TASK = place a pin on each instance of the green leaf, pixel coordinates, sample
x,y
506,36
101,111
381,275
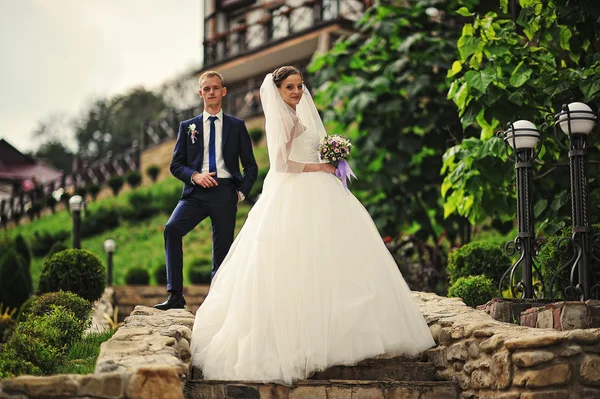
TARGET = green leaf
x,y
464,12
460,97
480,80
565,36
589,87
456,68
539,207
518,78
467,45
504,5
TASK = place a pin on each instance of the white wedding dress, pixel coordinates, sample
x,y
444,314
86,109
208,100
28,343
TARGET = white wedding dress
x,y
308,282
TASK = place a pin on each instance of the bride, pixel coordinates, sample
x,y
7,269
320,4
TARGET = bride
x,y
308,282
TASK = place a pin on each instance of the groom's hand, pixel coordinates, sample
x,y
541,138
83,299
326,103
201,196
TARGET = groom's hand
x,y
205,179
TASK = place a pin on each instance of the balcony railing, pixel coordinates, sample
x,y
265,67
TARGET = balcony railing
x,y
279,23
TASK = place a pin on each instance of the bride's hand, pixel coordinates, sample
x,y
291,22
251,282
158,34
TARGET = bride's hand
x,y
329,168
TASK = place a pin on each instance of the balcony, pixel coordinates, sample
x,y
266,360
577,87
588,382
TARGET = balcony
x,y
277,23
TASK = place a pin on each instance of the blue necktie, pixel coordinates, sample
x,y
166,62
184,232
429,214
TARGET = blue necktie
x,y
212,152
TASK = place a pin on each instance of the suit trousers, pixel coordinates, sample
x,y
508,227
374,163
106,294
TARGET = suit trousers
x,y
217,203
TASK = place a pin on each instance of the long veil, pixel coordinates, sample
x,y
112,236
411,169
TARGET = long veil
x,y
283,125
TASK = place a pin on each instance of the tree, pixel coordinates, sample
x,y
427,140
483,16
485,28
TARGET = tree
x,y
385,88
112,124
54,153
511,70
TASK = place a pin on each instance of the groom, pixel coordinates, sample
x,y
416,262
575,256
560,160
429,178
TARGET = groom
x,y
206,158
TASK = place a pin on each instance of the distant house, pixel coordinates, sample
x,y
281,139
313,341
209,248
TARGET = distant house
x,y
20,172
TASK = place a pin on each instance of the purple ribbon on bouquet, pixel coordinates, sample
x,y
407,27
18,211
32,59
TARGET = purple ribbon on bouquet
x,y
344,172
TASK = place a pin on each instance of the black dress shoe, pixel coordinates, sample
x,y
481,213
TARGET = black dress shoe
x,y
173,302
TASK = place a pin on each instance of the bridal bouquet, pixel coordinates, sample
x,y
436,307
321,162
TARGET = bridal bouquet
x,y
335,149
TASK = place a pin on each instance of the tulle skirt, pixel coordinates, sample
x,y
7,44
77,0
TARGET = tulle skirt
x,y
307,284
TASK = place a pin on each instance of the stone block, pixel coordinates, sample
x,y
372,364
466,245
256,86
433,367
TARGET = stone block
x,y
589,393
308,392
238,391
401,393
531,358
364,393
529,318
557,374
535,341
435,331
457,351
574,316
155,382
438,356
491,344
481,379
472,348
500,368
501,311
545,318
554,394
585,337
107,385
42,387
445,336
589,370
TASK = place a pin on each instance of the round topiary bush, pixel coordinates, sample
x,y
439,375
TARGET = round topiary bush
x,y
198,275
478,258
137,276
23,249
160,274
24,309
134,179
256,135
75,270
550,259
153,171
116,184
15,281
473,290
75,304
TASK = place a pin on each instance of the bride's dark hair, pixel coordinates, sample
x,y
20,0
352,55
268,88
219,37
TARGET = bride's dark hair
x,y
281,74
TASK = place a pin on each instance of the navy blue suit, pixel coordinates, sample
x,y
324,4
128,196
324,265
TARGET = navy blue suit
x,y
197,203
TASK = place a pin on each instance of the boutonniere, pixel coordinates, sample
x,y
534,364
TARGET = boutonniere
x,y
192,132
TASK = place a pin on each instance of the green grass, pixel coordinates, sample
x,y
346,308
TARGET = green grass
x,y
139,244
81,357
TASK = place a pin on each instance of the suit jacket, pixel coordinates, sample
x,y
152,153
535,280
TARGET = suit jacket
x,y
236,146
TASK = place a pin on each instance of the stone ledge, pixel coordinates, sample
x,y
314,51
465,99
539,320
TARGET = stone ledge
x,y
146,358
492,359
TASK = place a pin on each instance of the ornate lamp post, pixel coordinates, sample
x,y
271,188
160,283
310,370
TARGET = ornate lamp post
x,y
522,136
109,247
76,205
577,121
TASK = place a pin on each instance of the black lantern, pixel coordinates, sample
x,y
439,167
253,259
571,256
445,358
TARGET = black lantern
x,y
522,136
577,120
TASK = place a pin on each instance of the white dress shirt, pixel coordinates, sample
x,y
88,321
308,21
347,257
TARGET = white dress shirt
x,y
222,171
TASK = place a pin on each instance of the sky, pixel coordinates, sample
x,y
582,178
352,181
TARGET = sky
x,y
56,56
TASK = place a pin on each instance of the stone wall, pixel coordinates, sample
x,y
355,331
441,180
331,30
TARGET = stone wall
x,y
146,358
490,359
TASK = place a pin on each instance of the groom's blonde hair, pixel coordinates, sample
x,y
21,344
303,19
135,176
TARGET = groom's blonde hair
x,y
210,74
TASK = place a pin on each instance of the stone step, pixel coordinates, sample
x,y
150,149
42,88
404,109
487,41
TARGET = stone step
x,y
380,370
314,389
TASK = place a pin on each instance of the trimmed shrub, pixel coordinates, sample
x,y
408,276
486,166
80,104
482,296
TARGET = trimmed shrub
x,y
116,184
94,189
15,281
256,135
160,274
550,259
39,342
169,200
99,221
75,304
134,179
200,271
22,248
75,270
141,207
137,276
153,171
478,258
43,242
473,290
51,203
